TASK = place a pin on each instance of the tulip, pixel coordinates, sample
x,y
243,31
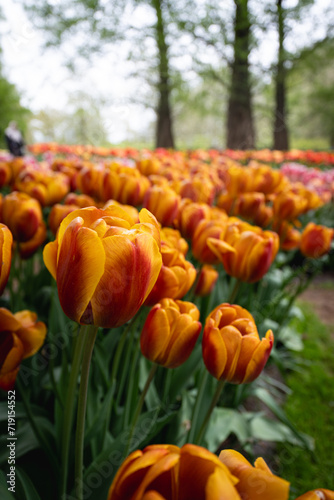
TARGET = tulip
x,y
21,336
104,265
28,248
22,214
176,277
319,494
255,483
170,332
288,235
5,173
170,472
79,200
316,240
245,251
174,239
207,279
232,349
163,203
46,186
190,214
131,211
288,205
57,214
6,240
206,231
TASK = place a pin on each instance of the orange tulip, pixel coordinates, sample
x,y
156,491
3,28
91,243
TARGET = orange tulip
x,y
206,231
255,483
28,248
22,214
80,200
288,205
316,240
57,214
6,240
176,277
104,265
131,211
46,186
232,349
173,473
20,337
5,173
170,332
245,251
190,215
174,239
319,494
164,204
207,279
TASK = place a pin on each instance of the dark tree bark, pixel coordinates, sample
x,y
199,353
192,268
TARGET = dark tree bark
x,y
240,126
281,139
164,126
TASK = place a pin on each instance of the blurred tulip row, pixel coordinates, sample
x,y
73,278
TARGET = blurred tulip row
x,y
142,295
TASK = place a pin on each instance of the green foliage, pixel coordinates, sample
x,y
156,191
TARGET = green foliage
x,y
11,108
310,407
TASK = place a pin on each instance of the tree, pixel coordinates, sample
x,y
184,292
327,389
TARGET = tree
x,y
11,108
240,126
93,27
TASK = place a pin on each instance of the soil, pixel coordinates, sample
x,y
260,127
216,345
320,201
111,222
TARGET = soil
x,y
320,295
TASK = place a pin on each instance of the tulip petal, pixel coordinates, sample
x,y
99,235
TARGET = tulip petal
x,y
214,352
155,334
220,487
132,266
8,321
50,257
259,358
12,352
80,267
31,334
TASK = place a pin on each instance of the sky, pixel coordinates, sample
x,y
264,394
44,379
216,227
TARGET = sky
x,y
44,81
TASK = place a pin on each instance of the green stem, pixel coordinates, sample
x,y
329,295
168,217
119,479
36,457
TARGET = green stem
x,y
140,405
214,401
82,403
39,435
69,409
198,405
234,292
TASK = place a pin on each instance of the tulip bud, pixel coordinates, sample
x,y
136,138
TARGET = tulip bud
x,y
316,240
163,203
6,240
231,346
22,214
170,332
21,337
206,281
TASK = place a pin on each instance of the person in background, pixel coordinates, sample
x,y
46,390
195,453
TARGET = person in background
x,y
14,139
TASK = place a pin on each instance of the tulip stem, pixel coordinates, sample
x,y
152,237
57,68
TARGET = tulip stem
x,y
140,405
198,404
234,292
214,401
82,403
69,408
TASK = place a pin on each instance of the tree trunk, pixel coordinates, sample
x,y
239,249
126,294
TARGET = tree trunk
x,y
281,140
164,126
240,126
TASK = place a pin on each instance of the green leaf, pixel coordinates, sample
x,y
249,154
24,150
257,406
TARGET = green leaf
x,y
20,411
25,488
26,441
266,429
152,399
269,401
291,339
223,422
181,376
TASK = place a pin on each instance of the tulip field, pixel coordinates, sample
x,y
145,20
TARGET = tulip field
x,y
146,306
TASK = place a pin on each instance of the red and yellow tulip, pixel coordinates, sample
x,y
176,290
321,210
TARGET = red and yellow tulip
x,y
21,336
6,241
170,332
104,265
316,240
231,346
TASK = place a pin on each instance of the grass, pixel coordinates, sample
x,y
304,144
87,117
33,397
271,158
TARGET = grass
x,y
311,408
